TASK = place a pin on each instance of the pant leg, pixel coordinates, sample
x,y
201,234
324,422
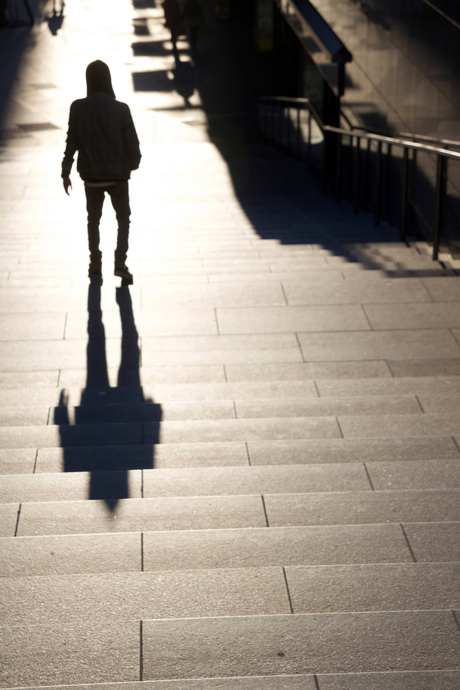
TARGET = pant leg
x,y
119,195
94,204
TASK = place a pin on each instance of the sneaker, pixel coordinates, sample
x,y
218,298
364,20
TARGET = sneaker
x,y
123,273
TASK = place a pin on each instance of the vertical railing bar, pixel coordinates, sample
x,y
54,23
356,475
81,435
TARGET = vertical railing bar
x,y
441,175
309,136
405,175
298,130
356,173
368,175
388,184
325,162
338,196
413,182
280,124
378,186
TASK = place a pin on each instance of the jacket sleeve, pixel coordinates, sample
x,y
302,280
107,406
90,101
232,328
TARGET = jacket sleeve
x,y
71,144
131,141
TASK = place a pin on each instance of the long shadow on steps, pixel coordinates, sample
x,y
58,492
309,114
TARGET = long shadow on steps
x,y
108,471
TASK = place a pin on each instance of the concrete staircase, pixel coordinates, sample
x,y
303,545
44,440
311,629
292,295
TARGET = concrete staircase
x,y
242,472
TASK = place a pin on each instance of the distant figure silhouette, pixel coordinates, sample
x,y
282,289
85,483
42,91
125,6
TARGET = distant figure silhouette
x,y
174,21
193,15
101,129
57,18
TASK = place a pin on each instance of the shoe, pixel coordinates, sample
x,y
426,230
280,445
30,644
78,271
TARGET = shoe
x,y
124,273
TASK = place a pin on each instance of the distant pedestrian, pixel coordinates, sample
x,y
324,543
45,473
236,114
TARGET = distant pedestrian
x,y
173,21
193,15
101,129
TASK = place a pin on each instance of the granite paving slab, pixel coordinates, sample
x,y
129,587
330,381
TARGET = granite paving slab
x,y
53,654
184,373
445,400
239,430
71,435
420,315
376,587
318,643
17,461
136,515
426,387
23,416
353,450
212,481
439,541
356,345
216,295
322,407
282,546
148,411
292,319
393,291
308,370
362,508
391,680
9,514
93,553
32,326
112,458
297,682
443,289
435,474
237,356
400,425
76,599
69,486
417,366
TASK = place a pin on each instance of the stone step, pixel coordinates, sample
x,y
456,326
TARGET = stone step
x,y
324,545
78,482
229,548
79,598
429,389
392,451
284,644
148,411
111,510
387,680
228,430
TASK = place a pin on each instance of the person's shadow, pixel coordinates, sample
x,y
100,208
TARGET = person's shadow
x,y
56,20
105,438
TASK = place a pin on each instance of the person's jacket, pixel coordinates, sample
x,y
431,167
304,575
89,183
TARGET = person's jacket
x,y
101,129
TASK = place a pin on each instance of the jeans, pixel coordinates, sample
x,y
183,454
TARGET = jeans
x,y
119,196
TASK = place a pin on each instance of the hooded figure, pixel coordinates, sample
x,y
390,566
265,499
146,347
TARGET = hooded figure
x,y
101,129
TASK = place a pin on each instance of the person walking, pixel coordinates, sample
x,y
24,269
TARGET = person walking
x,y
101,129
174,22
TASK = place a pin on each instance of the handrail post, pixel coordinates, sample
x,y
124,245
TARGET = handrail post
x,y
405,175
309,136
357,171
388,184
441,184
338,195
378,185
298,131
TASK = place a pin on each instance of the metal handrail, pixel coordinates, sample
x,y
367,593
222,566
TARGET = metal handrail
x,y
443,156
395,141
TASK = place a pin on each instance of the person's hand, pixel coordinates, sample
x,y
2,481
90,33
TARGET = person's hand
x,y
67,184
